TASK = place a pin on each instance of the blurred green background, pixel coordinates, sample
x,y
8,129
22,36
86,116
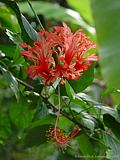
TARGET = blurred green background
x,y
25,114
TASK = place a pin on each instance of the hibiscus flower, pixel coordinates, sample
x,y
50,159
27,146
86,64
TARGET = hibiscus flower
x,y
59,54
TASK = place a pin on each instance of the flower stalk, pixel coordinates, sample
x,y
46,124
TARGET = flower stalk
x,y
75,131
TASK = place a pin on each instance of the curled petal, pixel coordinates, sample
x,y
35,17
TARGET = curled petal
x,y
25,45
92,57
28,54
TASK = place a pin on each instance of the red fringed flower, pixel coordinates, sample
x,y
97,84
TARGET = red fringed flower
x,y
59,54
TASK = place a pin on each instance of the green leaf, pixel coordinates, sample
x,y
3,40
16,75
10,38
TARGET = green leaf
x,y
36,136
56,83
69,90
8,19
29,29
28,33
114,152
111,123
84,81
15,37
9,50
88,121
15,8
68,125
77,104
44,121
13,51
83,7
11,81
110,90
108,110
42,110
86,98
86,147
20,114
106,14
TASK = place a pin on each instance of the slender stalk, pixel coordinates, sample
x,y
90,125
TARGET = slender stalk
x,y
75,131
35,14
57,119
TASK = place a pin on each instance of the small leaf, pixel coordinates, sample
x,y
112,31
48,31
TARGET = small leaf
x,y
86,147
15,37
55,84
86,98
11,81
9,50
87,120
29,29
111,123
108,110
114,152
69,90
110,90
78,102
42,110
84,81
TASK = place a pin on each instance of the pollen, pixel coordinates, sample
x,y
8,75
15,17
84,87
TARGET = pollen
x,y
61,135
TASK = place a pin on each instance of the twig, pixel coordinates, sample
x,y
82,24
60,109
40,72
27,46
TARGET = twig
x,y
25,84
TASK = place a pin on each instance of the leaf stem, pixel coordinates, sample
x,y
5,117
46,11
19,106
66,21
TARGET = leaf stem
x,y
35,14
